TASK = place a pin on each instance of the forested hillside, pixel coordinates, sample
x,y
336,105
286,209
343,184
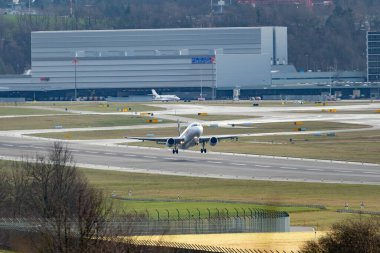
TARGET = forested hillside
x,y
320,38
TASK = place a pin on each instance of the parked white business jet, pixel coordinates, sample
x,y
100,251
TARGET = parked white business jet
x,y
164,98
192,136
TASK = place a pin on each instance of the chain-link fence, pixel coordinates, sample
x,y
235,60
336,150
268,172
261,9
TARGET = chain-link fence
x,y
255,220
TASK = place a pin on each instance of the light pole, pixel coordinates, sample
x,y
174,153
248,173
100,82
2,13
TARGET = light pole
x,y
330,81
75,61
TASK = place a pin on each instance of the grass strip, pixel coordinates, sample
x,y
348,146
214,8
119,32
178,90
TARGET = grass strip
x,y
71,121
256,128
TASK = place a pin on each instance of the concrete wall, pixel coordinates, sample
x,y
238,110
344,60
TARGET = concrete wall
x,y
137,58
281,78
274,41
243,71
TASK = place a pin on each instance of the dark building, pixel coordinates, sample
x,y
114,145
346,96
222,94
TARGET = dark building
x,y
373,56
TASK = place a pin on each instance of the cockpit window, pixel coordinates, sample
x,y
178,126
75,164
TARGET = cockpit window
x,y
195,124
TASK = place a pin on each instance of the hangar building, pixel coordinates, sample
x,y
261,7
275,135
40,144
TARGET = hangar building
x,y
158,58
183,61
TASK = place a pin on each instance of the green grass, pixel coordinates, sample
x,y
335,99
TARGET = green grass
x,y
70,121
257,128
216,117
363,146
103,107
162,187
197,209
5,111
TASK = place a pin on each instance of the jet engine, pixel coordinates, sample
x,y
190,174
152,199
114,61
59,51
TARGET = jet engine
x,y
213,141
170,142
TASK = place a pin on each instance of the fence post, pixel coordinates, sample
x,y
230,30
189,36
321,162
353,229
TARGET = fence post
x,y
158,215
237,212
227,213
188,220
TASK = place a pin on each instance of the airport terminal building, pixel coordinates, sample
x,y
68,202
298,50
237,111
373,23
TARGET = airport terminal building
x,y
184,61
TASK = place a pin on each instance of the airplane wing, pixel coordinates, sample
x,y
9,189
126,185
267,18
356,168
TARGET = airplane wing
x,y
158,140
206,139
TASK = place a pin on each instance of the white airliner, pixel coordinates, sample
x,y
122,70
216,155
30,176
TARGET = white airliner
x,y
192,136
164,98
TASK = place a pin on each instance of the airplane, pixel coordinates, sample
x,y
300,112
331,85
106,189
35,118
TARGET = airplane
x,y
191,136
164,98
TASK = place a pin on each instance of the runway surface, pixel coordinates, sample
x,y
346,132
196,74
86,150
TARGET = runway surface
x,y
189,163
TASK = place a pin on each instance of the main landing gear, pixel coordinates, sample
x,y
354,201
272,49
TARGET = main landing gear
x,y
203,149
175,150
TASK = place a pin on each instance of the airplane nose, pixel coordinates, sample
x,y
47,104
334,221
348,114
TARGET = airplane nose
x,y
200,130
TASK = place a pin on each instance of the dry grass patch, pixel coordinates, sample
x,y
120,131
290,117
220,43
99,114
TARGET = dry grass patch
x,y
260,241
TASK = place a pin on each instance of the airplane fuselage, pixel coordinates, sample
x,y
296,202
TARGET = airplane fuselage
x,y
191,136
166,99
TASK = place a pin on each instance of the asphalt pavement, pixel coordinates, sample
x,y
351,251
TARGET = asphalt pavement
x,y
191,163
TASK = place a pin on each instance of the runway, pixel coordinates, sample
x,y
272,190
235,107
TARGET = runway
x,y
189,163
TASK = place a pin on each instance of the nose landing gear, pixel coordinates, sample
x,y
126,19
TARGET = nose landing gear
x,y
203,149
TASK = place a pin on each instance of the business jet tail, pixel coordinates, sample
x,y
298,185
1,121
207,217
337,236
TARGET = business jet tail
x,y
154,93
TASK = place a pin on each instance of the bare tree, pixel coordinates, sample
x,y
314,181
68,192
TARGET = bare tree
x,y
52,189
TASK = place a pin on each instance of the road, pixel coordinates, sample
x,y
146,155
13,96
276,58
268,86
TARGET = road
x,y
189,163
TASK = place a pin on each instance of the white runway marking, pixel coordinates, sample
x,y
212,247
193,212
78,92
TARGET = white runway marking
x,y
152,157
262,166
289,168
239,164
344,171
370,172
37,147
314,170
108,153
8,145
169,158
214,162
92,152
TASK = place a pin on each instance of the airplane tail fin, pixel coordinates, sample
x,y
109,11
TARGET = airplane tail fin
x,y
154,93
